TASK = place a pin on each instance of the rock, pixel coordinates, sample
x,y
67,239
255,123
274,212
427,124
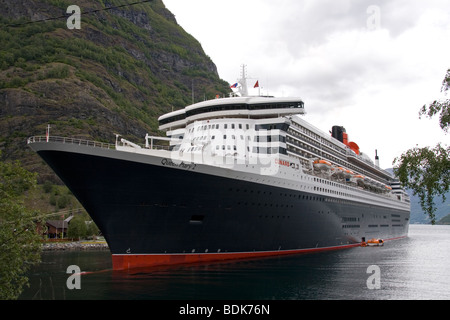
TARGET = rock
x,y
75,245
117,74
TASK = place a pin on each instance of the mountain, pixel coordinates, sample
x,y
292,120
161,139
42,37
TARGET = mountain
x,y
417,214
445,220
125,67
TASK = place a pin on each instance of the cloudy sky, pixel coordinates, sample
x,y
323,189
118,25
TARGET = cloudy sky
x,y
369,65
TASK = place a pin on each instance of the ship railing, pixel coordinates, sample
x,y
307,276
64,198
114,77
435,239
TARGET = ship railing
x,y
159,147
81,142
89,143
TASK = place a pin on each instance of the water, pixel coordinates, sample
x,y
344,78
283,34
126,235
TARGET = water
x,y
417,268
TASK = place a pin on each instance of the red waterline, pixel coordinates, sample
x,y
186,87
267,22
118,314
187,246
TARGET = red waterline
x,y
130,261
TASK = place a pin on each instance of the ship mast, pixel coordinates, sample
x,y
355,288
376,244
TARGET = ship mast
x,y
242,82
244,89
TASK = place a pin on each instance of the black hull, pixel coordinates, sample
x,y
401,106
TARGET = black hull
x,y
151,209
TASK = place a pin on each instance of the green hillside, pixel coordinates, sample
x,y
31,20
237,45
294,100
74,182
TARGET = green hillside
x,y
117,74
445,220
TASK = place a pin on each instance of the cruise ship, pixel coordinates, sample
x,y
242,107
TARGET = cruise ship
x,y
236,177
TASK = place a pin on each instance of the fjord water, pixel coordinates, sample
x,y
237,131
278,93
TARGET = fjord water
x,y
417,267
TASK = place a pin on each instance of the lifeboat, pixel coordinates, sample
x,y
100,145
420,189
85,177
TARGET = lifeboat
x,y
379,186
370,184
359,180
348,173
338,171
322,165
375,242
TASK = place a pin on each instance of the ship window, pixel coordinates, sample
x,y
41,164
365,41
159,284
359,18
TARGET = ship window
x,y
225,126
240,125
232,126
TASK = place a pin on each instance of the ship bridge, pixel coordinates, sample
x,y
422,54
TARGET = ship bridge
x,y
236,107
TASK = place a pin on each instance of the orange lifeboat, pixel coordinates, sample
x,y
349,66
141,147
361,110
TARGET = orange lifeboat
x,y
338,171
359,180
322,165
348,173
375,242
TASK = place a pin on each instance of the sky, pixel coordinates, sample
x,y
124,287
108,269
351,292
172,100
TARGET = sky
x,y
367,65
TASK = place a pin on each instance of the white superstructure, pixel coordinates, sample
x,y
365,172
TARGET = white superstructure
x,y
269,132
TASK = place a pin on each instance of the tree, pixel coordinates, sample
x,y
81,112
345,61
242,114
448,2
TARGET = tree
x,y
426,171
92,230
20,241
77,227
440,107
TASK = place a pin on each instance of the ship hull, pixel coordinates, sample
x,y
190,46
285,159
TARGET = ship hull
x,y
152,213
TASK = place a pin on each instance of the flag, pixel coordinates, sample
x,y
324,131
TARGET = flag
x,y
234,85
256,84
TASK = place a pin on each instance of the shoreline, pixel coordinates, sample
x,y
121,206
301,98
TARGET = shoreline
x,y
75,245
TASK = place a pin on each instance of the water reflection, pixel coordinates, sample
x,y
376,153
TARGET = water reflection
x,y
411,268
274,278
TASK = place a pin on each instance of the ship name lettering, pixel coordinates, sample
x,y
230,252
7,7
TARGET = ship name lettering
x,y
181,165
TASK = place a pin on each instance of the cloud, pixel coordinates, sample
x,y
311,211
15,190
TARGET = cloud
x,y
329,53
